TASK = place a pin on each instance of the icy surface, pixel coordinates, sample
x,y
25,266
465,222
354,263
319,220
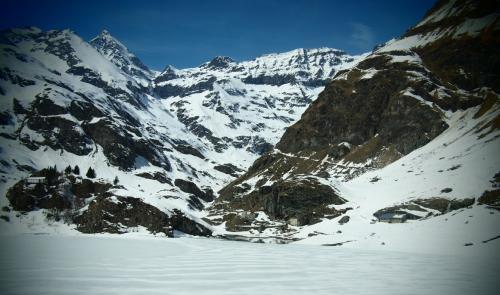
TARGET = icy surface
x,y
42,264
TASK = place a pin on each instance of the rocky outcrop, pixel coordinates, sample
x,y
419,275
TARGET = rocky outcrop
x,y
304,200
121,149
187,149
357,110
115,214
229,169
158,176
189,187
50,189
421,208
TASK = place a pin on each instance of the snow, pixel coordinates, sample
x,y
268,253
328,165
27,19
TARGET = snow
x,y
469,27
447,10
473,26
423,174
277,107
136,264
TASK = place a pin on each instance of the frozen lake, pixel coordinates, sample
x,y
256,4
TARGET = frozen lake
x,y
43,264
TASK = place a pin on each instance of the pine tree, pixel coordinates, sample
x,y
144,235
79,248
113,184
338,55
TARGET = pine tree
x,y
76,170
52,175
67,171
90,173
115,182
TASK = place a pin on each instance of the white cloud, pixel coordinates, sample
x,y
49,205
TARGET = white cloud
x,y
362,36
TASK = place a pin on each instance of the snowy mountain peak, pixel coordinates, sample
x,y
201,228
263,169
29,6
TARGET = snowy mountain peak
x,y
220,62
105,33
119,55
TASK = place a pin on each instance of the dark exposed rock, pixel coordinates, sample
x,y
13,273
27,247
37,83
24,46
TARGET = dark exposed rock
x,y
52,194
167,74
271,80
18,107
121,150
195,203
58,133
46,107
491,198
397,214
189,150
114,214
168,90
444,205
182,223
229,169
6,119
121,57
476,56
191,188
344,219
158,176
84,110
237,222
335,117
8,75
305,200
87,188
220,62
423,205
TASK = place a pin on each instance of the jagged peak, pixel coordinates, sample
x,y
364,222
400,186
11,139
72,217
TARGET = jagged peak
x,y
220,62
169,68
104,38
115,51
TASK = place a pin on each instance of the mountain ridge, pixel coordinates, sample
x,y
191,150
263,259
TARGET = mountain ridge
x,y
69,102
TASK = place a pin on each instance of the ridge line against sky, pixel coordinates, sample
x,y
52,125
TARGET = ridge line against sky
x,y
189,33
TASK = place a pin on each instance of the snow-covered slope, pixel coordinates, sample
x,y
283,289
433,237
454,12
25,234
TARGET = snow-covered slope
x,y
66,102
409,134
461,162
244,107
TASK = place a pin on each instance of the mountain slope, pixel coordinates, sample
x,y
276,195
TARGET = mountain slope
x,y
67,102
427,118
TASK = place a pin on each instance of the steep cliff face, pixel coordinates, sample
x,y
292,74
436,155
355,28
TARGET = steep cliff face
x,y
403,96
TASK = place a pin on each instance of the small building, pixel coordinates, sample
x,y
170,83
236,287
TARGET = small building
x,y
294,221
36,180
390,217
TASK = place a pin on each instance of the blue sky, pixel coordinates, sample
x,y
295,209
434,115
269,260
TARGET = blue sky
x,y
188,33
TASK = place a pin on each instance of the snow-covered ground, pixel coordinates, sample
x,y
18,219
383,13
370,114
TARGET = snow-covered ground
x,y
137,264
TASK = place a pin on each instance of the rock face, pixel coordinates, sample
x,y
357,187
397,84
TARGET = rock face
x,y
377,112
300,201
115,214
421,208
189,187
66,194
51,191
